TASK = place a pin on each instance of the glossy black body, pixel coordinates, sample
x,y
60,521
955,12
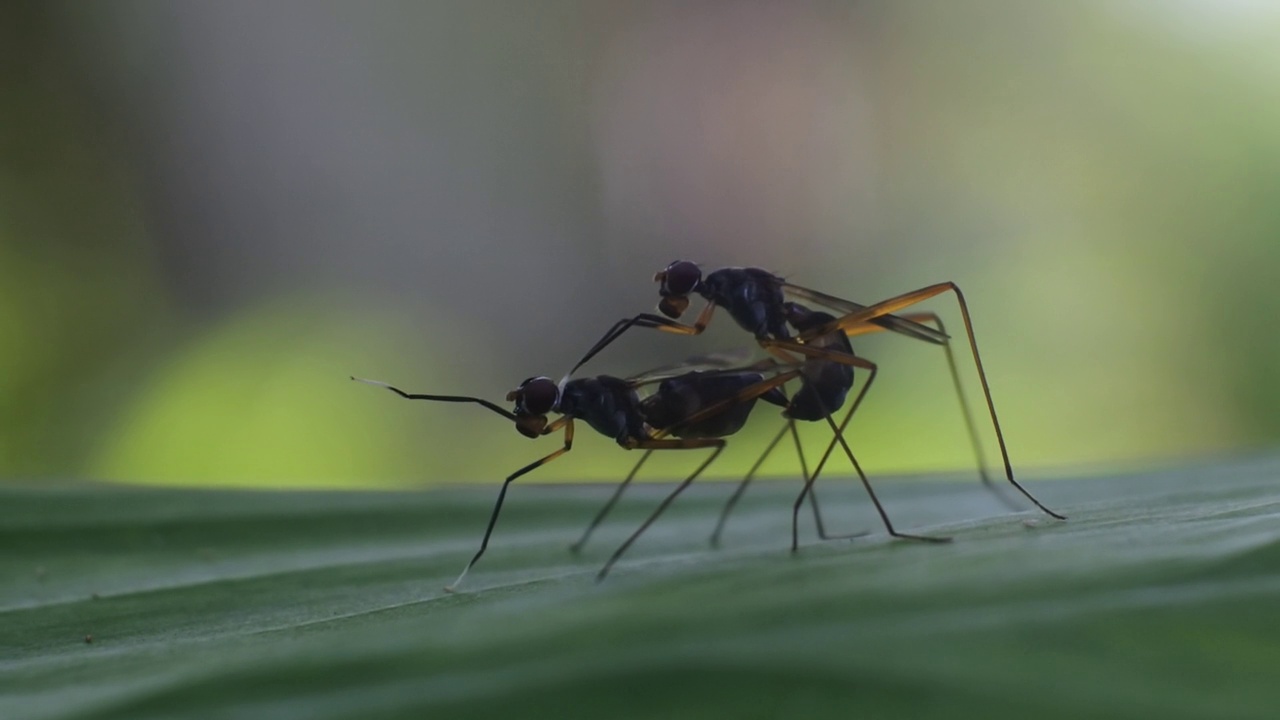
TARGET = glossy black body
x,y
613,408
753,297
681,397
608,404
825,384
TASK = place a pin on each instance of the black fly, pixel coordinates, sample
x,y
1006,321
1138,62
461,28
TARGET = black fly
x,y
688,410
758,302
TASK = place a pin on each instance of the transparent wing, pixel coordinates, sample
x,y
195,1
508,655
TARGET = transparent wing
x,y
888,322
727,362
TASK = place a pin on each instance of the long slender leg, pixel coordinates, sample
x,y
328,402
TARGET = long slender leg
x,y
835,356
648,320
979,456
497,506
660,441
872,494
804,477
970,426
884,517
742,486
620,327
872,369
689,444
908,299
813,496
748,393
608,506
901,324
780,349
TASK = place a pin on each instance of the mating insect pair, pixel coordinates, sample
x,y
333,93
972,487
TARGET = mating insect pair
x,y
698,408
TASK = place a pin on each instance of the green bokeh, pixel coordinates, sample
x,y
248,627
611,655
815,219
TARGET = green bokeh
x,y
264,400
1101,179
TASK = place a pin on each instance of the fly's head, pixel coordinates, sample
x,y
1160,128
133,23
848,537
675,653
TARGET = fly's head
x,y
535,397
676,282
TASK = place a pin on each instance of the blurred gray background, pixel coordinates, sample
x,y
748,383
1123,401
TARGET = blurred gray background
x,y
212,213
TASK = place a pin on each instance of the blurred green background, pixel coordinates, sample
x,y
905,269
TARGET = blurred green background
x,y
212,213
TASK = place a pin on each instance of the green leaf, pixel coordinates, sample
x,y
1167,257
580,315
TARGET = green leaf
x,y
1156,599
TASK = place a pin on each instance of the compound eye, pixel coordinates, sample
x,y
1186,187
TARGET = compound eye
x,y
673,306
680,278
536,396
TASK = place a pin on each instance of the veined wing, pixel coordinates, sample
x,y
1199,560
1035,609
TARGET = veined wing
x,y
888,322
729,362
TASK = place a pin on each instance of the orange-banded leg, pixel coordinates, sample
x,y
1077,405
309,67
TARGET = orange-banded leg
x,y
900,324
648,320
894,304
567,423
970,426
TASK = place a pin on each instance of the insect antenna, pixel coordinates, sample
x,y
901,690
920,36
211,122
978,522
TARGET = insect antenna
x,y
439,398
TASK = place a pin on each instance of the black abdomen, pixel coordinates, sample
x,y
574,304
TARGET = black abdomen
x,y
679,398
825,383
